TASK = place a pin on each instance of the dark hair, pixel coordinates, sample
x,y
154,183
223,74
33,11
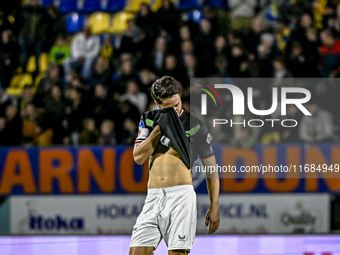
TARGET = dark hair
x,y
164,88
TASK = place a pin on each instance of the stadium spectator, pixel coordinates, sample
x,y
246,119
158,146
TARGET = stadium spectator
x,y
132,38
45,85
219,134
5,101
60,51
204,47
55,26
187,48
130,132
282,34
2,131
291,135
220,46
77,82
146,20
147,78
329,54
253,37
157,57
297,63
108,51
34,128
220,66
299,33
107,135
267,51
55,113
280,70
318,127
184,33
76,112
89,135
127,110
102,106
13,127
4,23
334,23
310,51
101,72
33,32
27,98
9,52
85,47
243,137
139,99
237,58
168,20
125,74
171,68
191,70
242,13
325,93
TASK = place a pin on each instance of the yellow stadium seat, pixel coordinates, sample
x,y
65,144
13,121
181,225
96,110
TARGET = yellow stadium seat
x,y
15,81
26,79
38,79
156,4
44,60
134,5
99,22
119,22
31,65
17,84
14,91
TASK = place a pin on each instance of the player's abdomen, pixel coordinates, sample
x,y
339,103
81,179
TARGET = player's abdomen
x,y
168,170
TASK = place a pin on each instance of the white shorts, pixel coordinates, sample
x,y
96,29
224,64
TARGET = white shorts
x,y
168,213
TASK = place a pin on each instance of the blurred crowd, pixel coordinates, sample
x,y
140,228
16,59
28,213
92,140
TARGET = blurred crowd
x,y
96,86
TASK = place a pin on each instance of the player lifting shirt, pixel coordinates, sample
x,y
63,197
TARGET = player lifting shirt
x,y
170,210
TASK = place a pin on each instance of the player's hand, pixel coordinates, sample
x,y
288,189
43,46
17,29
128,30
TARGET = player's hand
x,y
212,218
157,128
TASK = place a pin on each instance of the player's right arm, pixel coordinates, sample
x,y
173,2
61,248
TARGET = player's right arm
x,y
142,151
146,141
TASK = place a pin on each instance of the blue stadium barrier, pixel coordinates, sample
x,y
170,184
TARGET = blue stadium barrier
x,y
66,6
187,4
88,6
112,5
74,22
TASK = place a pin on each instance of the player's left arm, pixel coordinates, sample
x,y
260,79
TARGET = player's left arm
x,y
212,217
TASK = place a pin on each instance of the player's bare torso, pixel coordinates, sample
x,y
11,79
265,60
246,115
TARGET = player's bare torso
x,y
167,169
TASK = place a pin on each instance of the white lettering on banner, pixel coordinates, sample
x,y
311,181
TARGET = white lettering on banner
x,y
116,214
238,100
255,122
